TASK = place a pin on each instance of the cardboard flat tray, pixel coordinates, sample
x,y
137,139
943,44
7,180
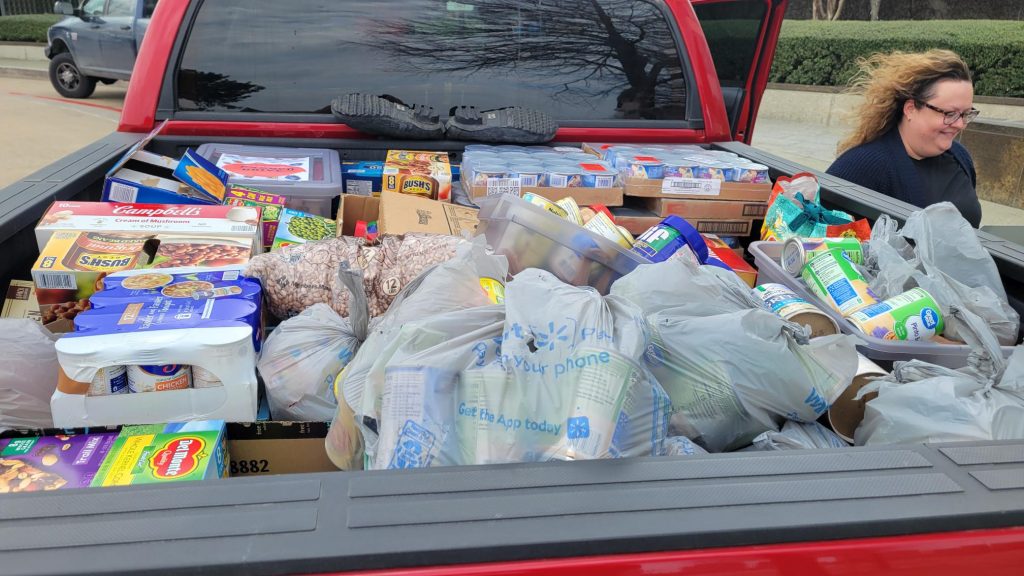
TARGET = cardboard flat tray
x,y
644,188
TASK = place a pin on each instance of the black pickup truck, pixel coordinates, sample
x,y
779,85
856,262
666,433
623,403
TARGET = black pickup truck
x,y
680,71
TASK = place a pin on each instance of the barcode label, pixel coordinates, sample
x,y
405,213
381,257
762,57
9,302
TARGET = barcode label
x,y
724,228
122,193
693,186
755,209
512,186
55,281
242,228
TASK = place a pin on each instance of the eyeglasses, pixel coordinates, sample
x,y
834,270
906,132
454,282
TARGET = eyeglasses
x,y
951,116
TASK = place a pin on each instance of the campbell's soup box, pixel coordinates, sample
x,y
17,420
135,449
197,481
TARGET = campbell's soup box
x,y
238,223
43,463
151,454
72,265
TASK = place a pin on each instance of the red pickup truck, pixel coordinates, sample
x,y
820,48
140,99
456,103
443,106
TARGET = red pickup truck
x,y
607,71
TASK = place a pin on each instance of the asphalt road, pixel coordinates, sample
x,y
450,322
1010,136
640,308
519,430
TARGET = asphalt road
x,y
38,126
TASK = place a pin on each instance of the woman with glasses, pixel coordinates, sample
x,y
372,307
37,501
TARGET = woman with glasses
x,y
904,144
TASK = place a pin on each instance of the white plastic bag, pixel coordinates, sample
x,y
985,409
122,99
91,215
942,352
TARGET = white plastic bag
x,y
733,376
684,285
799,436
682,446
28,374
305,353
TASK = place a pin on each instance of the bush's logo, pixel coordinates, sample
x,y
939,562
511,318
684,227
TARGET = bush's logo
x,y
179,457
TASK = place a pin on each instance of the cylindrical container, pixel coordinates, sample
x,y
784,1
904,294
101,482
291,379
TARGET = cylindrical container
x,y
679,169
597,176
646,167
572,210
661,241
529,174
494,290
546,204
785,303
627,235
754,173
845,414
602,225
709,171
797,252
109,380
834,279
159,378
563,177
913,315
483,173
203,378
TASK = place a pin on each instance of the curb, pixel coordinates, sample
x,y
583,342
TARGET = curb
x,y
34,73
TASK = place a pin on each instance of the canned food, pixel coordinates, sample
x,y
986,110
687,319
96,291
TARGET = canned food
x,y
109,380
797,252
159,378
786,304
834,279
484,173
494,289
203,378
646,167
846,413
753,173
602,225
597,176
679,169
528,175
709,171
563,178
572,210
542,202
662,240
913,315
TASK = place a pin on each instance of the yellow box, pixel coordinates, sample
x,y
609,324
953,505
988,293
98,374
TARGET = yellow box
x,y
419,173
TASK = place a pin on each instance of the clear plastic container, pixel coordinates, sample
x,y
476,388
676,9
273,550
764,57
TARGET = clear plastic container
x,y
766,259
309,177
531,237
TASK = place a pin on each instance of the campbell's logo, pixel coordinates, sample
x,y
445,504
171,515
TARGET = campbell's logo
x,y
263,170
177,458
130,210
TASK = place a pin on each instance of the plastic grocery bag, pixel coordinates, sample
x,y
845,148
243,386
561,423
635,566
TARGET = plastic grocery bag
x,y
795,211
304,354
569,357
28,374
921,402
682,446
689,288
733,376
799,436
448,287
938,251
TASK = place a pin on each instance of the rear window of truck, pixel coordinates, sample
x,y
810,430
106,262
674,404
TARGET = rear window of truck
x,y
578,60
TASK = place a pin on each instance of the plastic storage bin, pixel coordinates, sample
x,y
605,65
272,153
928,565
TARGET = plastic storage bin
x,y
531,237
310,178
766,258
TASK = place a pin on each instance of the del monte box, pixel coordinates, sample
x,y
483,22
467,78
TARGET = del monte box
x,y
149,454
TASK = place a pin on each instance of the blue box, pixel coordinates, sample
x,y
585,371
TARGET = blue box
x,y
362,178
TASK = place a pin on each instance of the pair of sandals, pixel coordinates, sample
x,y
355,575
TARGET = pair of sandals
x,y
388,116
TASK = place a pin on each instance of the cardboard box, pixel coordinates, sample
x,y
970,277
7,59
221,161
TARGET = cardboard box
x,y
312,227
270,206
363,178
401,213
239,222
151,454
144,177
419,173
638,223
582,196
43,463
726,255
21,301
265,448
693,189
707,209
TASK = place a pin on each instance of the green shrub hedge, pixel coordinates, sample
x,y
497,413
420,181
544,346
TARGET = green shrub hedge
x,y
30,28
825,53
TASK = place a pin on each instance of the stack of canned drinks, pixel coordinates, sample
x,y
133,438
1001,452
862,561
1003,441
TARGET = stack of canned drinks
x,y
655,162
536,166
136,379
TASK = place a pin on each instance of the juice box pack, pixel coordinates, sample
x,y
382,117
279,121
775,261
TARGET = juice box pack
x,y
151,454
42,463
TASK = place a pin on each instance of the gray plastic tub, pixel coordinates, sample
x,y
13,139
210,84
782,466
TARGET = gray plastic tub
x,y
766,259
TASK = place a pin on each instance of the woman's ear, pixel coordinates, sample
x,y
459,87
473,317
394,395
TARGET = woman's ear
x,y
909,109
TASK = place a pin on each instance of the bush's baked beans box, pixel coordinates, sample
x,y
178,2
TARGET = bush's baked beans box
x,y
419,173
239,223
151,454
43,463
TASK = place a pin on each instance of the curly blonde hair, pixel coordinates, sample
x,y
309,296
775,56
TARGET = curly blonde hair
x,y
887,81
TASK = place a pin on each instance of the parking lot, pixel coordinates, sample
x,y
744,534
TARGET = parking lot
x,y
39,126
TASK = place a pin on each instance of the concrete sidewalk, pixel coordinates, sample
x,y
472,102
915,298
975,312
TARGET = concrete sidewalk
x,y
16,68
814,145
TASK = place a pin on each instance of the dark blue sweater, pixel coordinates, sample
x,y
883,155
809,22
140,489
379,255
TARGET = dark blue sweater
x,y
884,166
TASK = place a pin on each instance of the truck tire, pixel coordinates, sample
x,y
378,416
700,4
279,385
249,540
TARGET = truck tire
x,y
107,81
67,79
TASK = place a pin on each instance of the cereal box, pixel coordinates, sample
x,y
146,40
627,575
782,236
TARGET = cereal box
x,y
41,463
150,454
419,173
299,227
71,265
269,204
237,222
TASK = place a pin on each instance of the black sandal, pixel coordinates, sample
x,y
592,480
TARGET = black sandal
x,y
387,116
511,125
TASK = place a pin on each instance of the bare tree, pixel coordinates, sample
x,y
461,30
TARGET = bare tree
x,y
876,7
827,9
